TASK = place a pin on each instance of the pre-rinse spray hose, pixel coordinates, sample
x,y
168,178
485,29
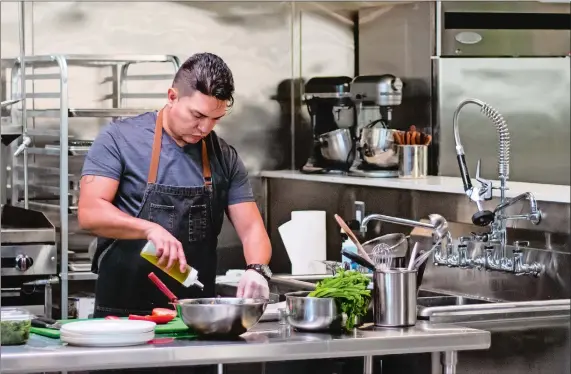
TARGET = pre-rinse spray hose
x,y
503,139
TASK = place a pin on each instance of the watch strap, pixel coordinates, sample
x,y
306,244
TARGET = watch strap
x,y
259,268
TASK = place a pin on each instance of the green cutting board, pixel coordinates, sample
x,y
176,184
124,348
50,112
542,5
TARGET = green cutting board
x,y
173,328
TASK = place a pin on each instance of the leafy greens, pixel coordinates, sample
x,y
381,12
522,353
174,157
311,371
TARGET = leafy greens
x,y
14,332
349,289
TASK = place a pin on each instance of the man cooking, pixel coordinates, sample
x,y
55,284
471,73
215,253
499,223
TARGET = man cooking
x,y
168,178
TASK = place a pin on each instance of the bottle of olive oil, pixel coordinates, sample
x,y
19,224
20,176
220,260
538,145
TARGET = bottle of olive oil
x,y
187,278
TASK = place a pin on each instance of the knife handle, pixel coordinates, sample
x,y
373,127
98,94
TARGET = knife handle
x,y
41,323
47,320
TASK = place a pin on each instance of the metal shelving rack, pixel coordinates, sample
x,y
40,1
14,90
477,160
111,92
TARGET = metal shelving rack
x,y
19,114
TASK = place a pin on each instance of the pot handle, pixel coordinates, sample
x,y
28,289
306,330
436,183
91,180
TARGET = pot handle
x,y
322,141
282,316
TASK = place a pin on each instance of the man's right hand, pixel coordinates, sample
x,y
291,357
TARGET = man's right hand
x,y
168,248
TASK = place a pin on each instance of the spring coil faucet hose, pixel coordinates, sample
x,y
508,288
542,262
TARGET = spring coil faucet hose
x,y
503,139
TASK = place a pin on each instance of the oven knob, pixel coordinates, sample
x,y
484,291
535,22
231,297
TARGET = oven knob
x,y
23,262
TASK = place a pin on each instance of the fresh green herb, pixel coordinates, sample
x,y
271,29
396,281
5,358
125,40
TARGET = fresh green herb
x,y
14,332
349,289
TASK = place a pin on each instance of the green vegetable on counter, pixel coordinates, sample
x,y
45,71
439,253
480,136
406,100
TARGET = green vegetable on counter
x,y
349,289
14,332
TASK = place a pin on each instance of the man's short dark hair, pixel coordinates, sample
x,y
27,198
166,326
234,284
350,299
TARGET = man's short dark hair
x,y
206,73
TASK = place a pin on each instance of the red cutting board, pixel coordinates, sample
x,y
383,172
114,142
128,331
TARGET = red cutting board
x,y
174,327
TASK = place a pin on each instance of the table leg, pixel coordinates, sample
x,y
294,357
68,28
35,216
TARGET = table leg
x,y
48,300
448,360
368,365
220,369
435,361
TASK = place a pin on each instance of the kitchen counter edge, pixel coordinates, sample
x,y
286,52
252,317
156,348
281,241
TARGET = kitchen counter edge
x,y
542,192
266,342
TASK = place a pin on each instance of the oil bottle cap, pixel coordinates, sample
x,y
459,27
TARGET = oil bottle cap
x,y
197,283
192,278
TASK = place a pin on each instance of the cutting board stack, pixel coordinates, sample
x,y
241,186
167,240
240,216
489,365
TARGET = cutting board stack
x,y
107,333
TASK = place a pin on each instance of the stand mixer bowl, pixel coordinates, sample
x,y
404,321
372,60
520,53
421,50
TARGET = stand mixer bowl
x,y
377,148
337,146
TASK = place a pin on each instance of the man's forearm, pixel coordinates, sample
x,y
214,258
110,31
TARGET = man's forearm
x,y
257,247
104,219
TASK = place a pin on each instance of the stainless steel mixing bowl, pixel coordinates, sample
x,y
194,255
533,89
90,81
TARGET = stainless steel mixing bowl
x,y
377,148
312,313
221,316
337,146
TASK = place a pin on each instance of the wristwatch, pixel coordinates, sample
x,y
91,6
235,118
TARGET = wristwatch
x,y
263,270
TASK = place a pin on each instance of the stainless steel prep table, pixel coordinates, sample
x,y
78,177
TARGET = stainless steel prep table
x,y
266,342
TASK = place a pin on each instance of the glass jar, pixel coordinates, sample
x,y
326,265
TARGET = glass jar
x,y
15,326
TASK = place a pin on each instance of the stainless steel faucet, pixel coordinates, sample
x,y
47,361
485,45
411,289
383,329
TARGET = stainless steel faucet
x,y
534,215
495,256
441,227
437,224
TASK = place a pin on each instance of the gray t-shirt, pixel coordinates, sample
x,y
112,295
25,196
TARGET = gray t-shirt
x,y
122,151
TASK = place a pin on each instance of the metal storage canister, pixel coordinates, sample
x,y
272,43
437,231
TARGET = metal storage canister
x,y
394,297
413,161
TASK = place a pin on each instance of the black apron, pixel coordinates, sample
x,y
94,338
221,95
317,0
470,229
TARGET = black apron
x,y
193,215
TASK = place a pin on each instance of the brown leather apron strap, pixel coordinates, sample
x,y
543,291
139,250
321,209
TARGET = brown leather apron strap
x,y
156,154
206,172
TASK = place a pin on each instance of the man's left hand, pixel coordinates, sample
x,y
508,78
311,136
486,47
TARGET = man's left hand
x,y
253,286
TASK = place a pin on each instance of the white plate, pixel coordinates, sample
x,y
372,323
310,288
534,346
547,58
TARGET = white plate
x,y
108,341
107,337
112,327
104,335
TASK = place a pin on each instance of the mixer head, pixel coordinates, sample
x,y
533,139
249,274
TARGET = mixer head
x,y
328,101
378,90
334,90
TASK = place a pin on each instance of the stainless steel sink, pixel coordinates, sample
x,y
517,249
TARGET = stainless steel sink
x,y
468,310
449,301
492,314
427,293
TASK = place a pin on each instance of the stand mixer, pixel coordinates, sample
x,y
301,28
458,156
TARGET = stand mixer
x,y
331,109
374,97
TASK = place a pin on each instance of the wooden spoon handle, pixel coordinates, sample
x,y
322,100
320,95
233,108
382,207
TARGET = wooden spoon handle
x,y
428,140
353,238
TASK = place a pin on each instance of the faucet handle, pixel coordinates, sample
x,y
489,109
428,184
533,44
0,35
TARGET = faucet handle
x,y
464,239
519,244
479,237
485,190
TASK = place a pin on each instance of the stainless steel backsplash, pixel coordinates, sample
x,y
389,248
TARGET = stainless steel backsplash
x,y
549,241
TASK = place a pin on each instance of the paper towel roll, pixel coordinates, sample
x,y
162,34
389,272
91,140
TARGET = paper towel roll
x,y
305,240
287,232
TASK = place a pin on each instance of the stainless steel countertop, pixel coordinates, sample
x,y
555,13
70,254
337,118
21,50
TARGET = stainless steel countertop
x,y
265,342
